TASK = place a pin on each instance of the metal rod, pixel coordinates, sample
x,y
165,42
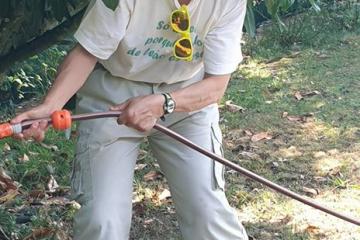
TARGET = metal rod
x,y
85,116
249,174
253,176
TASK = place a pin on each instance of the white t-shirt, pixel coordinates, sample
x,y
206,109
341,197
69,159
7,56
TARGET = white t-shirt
x,y
135,41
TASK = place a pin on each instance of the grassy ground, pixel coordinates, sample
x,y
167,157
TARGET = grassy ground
x,y
299,128
315,146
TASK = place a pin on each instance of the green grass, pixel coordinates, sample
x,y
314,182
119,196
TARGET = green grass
x,y
42,161
326,146
53,159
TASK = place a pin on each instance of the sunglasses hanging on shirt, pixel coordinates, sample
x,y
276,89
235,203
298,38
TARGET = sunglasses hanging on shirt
x,y
180,23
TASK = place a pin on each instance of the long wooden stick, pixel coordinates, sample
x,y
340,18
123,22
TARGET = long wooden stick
x,y
245,172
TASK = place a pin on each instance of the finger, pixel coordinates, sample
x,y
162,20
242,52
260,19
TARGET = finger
x,y
39,132
119,107
119,121
27,134
19,118
148,124
127,119
18,136
40,136
32,131
116,108
43,125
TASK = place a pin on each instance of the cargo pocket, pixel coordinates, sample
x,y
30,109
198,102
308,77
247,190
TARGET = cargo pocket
x,y
81,171
218,168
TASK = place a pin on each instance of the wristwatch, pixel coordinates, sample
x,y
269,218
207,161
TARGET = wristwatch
x,y
169,104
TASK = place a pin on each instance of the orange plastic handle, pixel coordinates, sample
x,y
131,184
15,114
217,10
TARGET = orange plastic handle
x,y
61,120
5,130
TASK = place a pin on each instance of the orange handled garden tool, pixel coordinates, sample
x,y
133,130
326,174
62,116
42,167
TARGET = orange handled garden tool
x,y
61,120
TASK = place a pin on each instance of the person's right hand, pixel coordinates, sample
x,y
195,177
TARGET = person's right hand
x,y
37,129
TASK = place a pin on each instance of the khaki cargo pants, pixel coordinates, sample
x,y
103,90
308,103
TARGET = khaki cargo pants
x,y
106,154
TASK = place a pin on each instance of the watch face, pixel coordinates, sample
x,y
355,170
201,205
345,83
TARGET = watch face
x,y
170,106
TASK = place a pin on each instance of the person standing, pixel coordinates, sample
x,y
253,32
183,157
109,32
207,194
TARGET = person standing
x,y
151,60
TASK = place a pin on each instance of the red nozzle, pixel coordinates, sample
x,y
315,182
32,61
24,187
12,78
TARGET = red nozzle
x,y
61,120
5,130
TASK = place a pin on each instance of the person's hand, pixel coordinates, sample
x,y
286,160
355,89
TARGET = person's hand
x,y
141,112
37,129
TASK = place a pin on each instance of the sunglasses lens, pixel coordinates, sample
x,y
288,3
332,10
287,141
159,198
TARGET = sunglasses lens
x,y
183,48
180,21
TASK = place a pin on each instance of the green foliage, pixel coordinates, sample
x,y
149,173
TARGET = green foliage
x,y
309,28
6,7
58,9
7,223
249,22
31,78
112,4
23,20
344,15
8,227
275,8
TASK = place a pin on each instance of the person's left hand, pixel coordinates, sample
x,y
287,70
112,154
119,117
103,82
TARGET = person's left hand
x,y
141,112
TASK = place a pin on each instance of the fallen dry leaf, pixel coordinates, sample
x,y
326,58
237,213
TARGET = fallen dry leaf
x,y
140,166
6,147
61,234
320,179
275,164
50,147
9,195
7,181
57,201
303,118
301,95
312,229
37,193
312,93
285,114
24,158
294,118
33,153
311,191
261,136
52,184
40,233
73,204
286,220
298,96
164,194
152,175
3,185
248,132
323,56
233,107
148,221
249,155
142,155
